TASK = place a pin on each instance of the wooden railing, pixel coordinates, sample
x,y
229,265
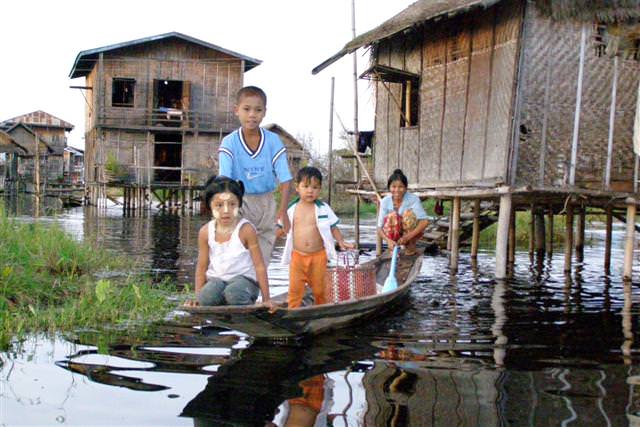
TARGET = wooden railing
x,y
166,117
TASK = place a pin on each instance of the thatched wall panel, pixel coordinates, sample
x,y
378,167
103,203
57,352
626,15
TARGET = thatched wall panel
x,y
478,97
623,158
409,159
431,103
413,54
381,146
457,70
502,93
396,55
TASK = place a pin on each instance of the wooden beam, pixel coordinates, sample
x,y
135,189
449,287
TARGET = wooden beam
x,y
455,236
612,122
475,236
607,240
568,243
576,118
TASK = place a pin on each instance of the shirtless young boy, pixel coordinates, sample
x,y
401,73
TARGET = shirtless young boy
x,y
311,240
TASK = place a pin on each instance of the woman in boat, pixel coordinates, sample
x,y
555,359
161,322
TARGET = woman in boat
x,y
401,218
230,268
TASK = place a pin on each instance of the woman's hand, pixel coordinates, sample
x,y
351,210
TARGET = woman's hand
x,y
346,245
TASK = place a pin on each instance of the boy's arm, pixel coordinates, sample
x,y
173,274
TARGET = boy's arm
x,y
249,238
281,215
337,235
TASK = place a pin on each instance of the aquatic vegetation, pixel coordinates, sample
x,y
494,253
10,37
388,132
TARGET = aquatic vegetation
x,y
49,283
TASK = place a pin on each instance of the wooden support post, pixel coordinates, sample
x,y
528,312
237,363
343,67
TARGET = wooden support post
x,y
532,231
607,239
512,238
182,200
539,232
630,239
580,235
455,235
504,216
568,243
449,227
475,236
549,241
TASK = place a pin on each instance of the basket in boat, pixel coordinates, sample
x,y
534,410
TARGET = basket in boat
x,y
348,280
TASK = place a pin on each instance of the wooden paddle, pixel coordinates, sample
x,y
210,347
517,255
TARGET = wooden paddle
x,y
391,283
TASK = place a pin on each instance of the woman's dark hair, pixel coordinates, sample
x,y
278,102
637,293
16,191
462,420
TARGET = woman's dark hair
x,y
397,175
222,184
308,173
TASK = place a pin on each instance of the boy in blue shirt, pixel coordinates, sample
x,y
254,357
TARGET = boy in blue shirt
x,y
258,158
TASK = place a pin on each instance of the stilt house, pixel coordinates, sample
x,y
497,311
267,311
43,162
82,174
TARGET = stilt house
x,y
534,99
157,109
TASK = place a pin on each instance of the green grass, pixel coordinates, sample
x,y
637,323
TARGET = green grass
x,y
523,224
48,284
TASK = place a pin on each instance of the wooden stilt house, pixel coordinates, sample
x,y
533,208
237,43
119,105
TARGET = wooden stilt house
x,y
156,111
529,101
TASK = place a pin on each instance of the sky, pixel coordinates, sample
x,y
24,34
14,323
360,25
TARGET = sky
x,y
41,39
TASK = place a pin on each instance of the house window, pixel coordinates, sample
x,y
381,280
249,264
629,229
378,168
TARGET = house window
x,y
122,92
410,103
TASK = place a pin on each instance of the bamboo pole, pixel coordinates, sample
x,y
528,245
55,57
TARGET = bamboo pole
x,y
532,231
629,241
475,236
612,122
455,236
607,240
576,118
333,85
356,130
539,227
568,244
504,216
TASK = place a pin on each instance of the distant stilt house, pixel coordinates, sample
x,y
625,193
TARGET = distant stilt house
x,y
296,153
74,165
51,134
10,153
157,109
528,102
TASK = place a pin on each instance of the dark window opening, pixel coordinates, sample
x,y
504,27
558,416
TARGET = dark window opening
x,y
168,98
410,103
167,159
122,92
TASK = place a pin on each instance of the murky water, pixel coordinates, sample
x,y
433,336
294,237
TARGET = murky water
x,y
542,349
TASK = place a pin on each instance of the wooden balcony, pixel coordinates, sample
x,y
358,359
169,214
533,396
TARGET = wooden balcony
x,y
163,119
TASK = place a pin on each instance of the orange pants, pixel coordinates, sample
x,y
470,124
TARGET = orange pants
x,y
307,269
312,393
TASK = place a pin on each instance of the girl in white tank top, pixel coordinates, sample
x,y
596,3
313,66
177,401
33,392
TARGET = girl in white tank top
x,y
229,259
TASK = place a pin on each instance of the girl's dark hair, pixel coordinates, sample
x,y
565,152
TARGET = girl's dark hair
x,y
222,184
397,175
308,173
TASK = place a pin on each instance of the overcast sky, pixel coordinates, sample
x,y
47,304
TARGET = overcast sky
x,y
41,39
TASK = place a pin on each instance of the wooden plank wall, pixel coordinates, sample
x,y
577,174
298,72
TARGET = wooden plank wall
x,y
467,70
552,55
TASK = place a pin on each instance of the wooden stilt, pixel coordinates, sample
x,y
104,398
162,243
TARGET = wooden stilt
x,y
568,243
455,235
504,216
630,240
449,229
549,241
607,239
512,238
532,231
475,236
539,232
580,235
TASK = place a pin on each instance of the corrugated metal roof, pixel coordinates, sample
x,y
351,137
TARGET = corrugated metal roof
x,y
86,59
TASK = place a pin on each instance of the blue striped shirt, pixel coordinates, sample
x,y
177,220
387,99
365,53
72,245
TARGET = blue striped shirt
x,y
260,170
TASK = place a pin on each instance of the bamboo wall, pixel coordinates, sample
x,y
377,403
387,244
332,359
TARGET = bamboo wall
x,y
550,82
467,69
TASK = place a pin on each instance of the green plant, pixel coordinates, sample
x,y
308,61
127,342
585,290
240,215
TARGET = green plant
x,y
113,167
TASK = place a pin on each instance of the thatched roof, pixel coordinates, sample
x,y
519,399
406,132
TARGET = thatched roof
x,y
429,10
9,145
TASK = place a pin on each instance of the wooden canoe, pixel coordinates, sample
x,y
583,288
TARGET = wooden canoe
x,y
258,322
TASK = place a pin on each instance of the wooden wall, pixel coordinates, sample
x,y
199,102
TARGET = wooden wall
x,y
467,69
552,60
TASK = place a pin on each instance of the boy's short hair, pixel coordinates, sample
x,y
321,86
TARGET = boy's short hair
x,y
251,91
222,184
308,173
